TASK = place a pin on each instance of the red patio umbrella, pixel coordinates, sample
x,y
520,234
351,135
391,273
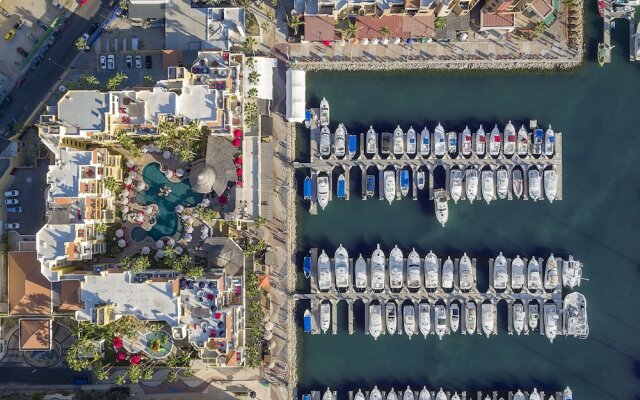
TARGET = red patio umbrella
x,y
222,199
239,171
237,160
237,133
121,356
135,359
236,142
239,184
326,42
117,342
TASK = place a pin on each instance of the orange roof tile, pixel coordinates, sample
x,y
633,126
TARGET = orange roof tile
x,y
497,20
400,26
35,334
29,290
319,28
70,296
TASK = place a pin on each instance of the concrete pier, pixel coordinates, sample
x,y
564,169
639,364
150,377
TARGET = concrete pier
x,y
464,394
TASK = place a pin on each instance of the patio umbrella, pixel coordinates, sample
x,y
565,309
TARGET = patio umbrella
x,y
272,344
237,133
141,186
169,173
128,181
122,243
159,244
205,203
237,160
236,143
397,41
187,237
188,219
126,193
130,163
204,229
222,199
166,154
117,342
239,171
178,250
410,41
268,326
268,335
203,236
239,184
271,365
171,241
125,200
135,359
125,209
365,41
266,319
342,43
326,43
179,208
384,41
121,356
119,233
160,254
133,174
375,41
145,250
139,217
189,229
180,172
145,149
149,209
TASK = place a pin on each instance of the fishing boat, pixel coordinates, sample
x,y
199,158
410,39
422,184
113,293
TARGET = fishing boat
x,y
361,273
454,317
517,183
324,112
500,273
571,272
325,317
488,186
538,139
550,321
413,270
441,206
534,281
324,272
466,141
328,395
396,267
523,142
574,314
339,140
425,143
602,53
385,147
441,395
424,314
509,139
567,394
391,311
519,395
359,395
404,182
518,318
375,320
307,321
424,394
517,273
471,183
550,184
480,142
377,269
420,180
535,184
431,275
408,394
323,190
409,319
371,141
439,144
456,185
411,141
534,316
447,274
465,272
306,267
488,318
375,394
502,177
471,319
551,273
398,141
549,142
325,141
353,145
392,395
389,185
306,188
371,185
452,142
534,395
495,142
341,192
441,320
341,263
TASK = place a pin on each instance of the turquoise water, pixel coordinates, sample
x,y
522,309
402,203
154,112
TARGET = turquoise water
x,y
597,221
166,219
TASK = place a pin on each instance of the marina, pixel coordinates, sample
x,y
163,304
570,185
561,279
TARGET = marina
x,y
610,10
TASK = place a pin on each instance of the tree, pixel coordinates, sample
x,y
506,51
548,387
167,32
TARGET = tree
x,y
135,373
250,62
88,82
275,3
101,373
249,45
74,360
136,264
120,379
294,23
81,43
385,31
123,5
148,78
179,264
260,221
115,82
539,28
265,26
110,183
440,23
253,92
254,77
350,31
147,372
101,228
195,272
172,376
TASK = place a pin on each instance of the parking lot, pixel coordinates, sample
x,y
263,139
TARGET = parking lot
x,y
30,183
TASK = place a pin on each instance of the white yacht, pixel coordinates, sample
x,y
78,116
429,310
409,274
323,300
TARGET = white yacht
x,y
323,190
328,395
534,395
424,313
391,316
425,143
441,206
341,262
420,181
534,316
441,395
439,143
465,273
488,318
517,182
550,184
550,321
480,142
447,274
517,273
398,141
361,273
375,320
549,142
340,140
551,273
408,394
359,395
375,394
424,394
523,142
455,396
325,141
509,139
324,112
454,317
488,186
519,395
409,319
574,314
466,141
518,318
452,142
500,273
495,142
470,317
534,184
534,281
456,185
411,141
471,183
502,177
389,185
372,141
571,272
392,395
413,270
431,275
567,394
396,268
324,271
325,317
377,269
441,320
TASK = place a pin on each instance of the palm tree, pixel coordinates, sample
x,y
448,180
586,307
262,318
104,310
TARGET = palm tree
x,y
81,43
254,77
250,62
440,23
350,31
249,45
294,23
385,31
539,28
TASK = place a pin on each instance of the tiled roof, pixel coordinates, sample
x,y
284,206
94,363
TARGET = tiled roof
x,y
29,290
70,296
318,29
35,334
498,20
542,7
400,26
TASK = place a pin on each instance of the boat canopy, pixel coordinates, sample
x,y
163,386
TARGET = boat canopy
x,y
404,178
552,139
307,115
307,323
538,134
371,183
353,143
340,188
307,265
307,188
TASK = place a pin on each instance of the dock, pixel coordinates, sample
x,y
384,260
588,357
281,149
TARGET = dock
x,y
441,393
608,19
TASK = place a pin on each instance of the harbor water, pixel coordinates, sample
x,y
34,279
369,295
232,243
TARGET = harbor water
x,y
598,221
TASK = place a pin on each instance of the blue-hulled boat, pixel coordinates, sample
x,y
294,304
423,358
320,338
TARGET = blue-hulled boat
x,y
371,185
404,182
306,267
306,397
341,186
307,322
353,145
307,188
538,139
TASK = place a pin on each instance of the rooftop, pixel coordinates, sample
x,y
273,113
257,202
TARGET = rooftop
x,y
84,109
319,28
35,334
401,26
497,21
29,290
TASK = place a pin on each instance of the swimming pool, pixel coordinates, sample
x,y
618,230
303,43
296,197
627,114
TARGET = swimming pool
x,y
167,223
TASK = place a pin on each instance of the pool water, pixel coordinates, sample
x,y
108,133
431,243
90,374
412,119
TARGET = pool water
x,y
167,222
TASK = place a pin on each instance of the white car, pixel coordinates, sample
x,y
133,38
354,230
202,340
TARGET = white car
x,y
14,225
103,62
85,36
138,62
11,193
129,62
11,202
111,62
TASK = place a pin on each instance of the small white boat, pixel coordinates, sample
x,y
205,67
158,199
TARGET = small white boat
x,y
574,313
361,273
534,316
396,268
466,141
571,272
471,183
517,273
550,184
509,139
441,395
324,272
392,395
534,184
567,394
551,273
534,395
431,275
424,394
411,141
359,395
517,182
408,394
471,319
372,141
454,317
441,320
413,270
391,315
409,319
385,143
375,320
549,142
452,142
377,269
534,281
488,186
325,317
550,321
424,314
375,394
441,206
398,141
328,395
480,142
495,142
324,112
420,180
502,177
341,265
447,274
465,272
325,141
439,143
340,140
323,190
518,318
523,142
500,273
519,395
425,143
488,318
455,396
389,185
456,185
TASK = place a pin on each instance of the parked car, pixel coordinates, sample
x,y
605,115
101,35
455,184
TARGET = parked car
x,y
14,209
129,61
138,62
11,193
22,52
111,62
42,25
9,35
147,61
11,202
18,24
14,225
103,62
